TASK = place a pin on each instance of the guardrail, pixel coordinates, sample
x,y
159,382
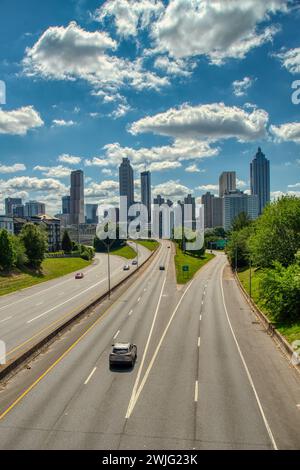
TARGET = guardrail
x,y
34,349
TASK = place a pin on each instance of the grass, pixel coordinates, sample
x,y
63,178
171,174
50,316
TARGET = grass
x,y
51,269
124,251
150,244
193,262
291,332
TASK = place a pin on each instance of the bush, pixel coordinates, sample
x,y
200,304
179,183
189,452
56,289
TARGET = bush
x,y
66,243
237,248
34,239
7,251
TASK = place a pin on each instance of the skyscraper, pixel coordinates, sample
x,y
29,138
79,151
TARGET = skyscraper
x,y
260,179
235,202
126,181
213,210
77,197
91,213
146,191
10,204
227,182
66,204
33,208
190,211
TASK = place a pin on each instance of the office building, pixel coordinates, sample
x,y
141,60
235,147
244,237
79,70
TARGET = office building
x,y
66,204
10,204
213,210
33,208
217,212
260,179
235,202
91,213
190,212
146,191
77,198
7,223
126,181
227,182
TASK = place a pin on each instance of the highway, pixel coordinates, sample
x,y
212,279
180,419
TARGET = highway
x,y
207,376
28,314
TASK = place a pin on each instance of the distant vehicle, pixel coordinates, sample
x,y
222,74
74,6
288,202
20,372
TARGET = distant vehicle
x,y
134,262
79,276
126,267
169,246
123,354
161,268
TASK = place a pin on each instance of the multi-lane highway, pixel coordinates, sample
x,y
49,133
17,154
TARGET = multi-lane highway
x,y
29,314
207,376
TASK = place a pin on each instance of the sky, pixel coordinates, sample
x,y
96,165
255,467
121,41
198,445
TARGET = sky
x,y
184,88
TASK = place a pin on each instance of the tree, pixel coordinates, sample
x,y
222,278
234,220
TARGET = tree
x,y
35,242
219,232
7,252
240,221
237,248
21,258
66,243
276,235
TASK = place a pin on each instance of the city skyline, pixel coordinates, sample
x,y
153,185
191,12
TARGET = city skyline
x,y
214,100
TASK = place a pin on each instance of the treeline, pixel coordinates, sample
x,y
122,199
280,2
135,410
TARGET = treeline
x,y
272,245
70,247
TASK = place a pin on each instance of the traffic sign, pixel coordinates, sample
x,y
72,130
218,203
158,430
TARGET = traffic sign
x,y
185,267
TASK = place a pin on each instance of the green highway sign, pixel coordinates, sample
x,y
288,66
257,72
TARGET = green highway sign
x,y
185,267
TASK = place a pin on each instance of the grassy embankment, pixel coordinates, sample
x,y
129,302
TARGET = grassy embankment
x,y
125,251
291,332
150,244
193,262
51,269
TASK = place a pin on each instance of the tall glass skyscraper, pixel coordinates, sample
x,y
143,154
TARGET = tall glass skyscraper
x,y
146,191
126,181
260,179
77,197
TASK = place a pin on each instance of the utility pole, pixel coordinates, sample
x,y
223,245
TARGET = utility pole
x,y
108,267
137,253
250,278
236,259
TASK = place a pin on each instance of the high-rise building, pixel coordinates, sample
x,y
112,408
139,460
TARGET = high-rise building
x,y
77,198
213,210
10,204
217,216
33,208
66,204
190,211
235,202
260,179
146,191
91,213
227,182
126,181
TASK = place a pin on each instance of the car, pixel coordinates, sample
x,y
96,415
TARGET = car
x,y
169,246
79,276
123,354
134,262
126,267
161,268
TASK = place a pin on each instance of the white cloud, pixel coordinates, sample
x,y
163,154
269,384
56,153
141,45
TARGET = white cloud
x,y
287,132
296,185
54,171
96,161
194,169
70,159
278,194
121,111
63,123
72,53
19,121
240,87
106,188
12,168
218,29
210,121
241,183
129,15
171,189
208,187
290,59
159,166
174,66
26,183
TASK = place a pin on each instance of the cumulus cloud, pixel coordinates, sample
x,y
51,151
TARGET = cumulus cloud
x,y
26,183
70,159
71,53
174,66
62,123
210,121
105,189
290,59
171,189
217,29
287,132
12,168
121,111
54,171
194,169
208,187
129,16
19,121
159,166
240,87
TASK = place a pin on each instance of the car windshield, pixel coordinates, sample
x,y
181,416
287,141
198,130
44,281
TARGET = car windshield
x,y
120,350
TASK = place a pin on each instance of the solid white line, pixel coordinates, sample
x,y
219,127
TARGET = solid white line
x,y
196,391
90,376
130,313
5,319
132,398
117,333
200,318
246,368
138,299
199,339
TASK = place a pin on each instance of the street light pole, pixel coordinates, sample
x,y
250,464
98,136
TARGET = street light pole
x,y
137,253
236,259
108,268
250,280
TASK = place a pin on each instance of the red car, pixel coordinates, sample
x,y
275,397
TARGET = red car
x,y
79,276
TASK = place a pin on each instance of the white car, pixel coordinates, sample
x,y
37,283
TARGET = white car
x,y
126,267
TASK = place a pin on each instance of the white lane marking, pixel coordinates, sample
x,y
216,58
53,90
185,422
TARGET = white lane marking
x,y
130,313
5,319
145,289
196,391
246,368
117,334
40,303
138,299
199,339
136,397
90,376
200,318
133,395
69,300
202,302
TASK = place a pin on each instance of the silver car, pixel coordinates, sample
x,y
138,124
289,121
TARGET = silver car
x,y
123,354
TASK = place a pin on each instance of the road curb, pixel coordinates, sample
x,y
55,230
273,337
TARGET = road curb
x,y
269,327
35,348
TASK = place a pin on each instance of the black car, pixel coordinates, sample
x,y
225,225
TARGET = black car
x,y
161,268
123,354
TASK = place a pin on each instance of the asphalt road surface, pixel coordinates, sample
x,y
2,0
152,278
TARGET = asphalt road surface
x,y
27,314
207,376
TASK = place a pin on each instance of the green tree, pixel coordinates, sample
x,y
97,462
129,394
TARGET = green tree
x,y
237,248
276,235
7,252
34,239
66,243
240,221
21,258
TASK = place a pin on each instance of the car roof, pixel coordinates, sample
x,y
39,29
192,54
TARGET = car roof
x,y
121,345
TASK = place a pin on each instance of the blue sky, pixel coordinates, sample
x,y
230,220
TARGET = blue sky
x,y
185,88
